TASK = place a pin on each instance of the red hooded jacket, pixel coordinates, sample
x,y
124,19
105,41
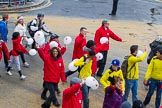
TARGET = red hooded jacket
x,y
17,47
102,32
53,69
80,42
4,48
72,97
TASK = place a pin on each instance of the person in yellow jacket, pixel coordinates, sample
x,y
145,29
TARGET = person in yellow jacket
x,y
85,64
154,74
114,70
131,81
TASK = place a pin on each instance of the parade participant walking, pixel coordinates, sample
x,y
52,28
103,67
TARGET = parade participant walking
x,y
3,48
114,70
80,43
46,49
36,25
104,31
131,81
21,28
4,34
85,71
113,93
15,52
154,72
72,96
53,72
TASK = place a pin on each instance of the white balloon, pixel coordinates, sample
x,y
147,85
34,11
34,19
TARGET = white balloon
x,y
53,44
29,41
71,66
99,56
67,40
32,52
139,53
104,40
92,82
42,42
39,36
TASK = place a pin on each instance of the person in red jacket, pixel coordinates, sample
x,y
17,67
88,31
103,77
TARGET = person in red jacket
x,y
53,72
3,48
46,49
80,42
104,31
72,96
17,49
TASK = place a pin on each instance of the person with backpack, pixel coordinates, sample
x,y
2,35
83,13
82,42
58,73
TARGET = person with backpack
x,y
35,25
154,74
21,28
4,34
104,31
131,80
114,70
85,72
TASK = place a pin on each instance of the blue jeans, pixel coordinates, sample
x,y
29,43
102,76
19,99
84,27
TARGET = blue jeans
x,y
85,93
131,85
154,84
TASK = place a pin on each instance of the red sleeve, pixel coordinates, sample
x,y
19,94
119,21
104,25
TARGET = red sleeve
x,y
114,36
97,37
5,49
63,50
94,65
62,72
23,49
71,90
41,54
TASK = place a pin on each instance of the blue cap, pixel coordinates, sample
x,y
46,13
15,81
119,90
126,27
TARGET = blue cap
x,y
115,62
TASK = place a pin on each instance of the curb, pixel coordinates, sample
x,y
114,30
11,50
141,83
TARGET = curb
x,y
26,8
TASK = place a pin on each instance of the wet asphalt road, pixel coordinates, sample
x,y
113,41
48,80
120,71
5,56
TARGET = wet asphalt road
x,y
136,10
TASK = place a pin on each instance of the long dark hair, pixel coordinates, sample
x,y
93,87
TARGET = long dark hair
x,y
51,53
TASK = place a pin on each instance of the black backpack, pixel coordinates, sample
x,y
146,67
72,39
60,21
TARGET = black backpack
x,y
124,66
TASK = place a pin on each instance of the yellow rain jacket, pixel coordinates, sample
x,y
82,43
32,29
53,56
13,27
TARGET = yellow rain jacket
x,y
133,74
86,70
109,73
154,69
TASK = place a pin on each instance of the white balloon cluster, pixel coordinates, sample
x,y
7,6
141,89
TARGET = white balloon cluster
x,y
99,56
67,40
71,66
104,40
139,53
39,38
32,52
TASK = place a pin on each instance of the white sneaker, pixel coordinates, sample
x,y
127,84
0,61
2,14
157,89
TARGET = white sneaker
x,y
22,77
9,73
26,64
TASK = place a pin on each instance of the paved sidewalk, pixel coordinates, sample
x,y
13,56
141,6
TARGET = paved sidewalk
x,y
26,7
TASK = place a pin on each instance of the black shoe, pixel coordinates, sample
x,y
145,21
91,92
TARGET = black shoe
x,y
56,103
44,97
45,106
112,14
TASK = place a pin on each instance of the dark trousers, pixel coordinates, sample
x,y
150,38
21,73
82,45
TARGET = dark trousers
x,y
68,73
101,63
22,57
45,89
85,94
52,97
5,59
115,5
154,84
